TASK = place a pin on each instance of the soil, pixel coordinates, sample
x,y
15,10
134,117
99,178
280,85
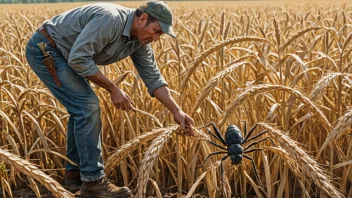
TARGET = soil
x,y
28,193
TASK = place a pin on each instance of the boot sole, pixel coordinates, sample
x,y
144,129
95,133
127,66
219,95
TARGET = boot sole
x,y
85,194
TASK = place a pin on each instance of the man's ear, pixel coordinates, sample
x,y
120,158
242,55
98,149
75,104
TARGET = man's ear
x,y
143,18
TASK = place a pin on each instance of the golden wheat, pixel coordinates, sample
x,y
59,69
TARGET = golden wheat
x,y
308,165
29,169
231,62
149,159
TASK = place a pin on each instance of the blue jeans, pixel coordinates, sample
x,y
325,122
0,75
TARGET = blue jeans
x,y
78,97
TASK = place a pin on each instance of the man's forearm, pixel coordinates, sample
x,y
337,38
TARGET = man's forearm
x,y
164,96
102,81
186,122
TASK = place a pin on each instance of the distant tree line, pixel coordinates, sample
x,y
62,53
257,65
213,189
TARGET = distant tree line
x,y
40,1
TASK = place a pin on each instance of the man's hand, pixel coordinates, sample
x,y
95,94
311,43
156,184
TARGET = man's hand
x,y
121,100
118,97
185,122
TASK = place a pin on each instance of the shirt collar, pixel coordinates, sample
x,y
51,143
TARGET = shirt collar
x,y
128,26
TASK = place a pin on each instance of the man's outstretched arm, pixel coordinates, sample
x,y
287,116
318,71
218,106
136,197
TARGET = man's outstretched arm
x,y
164,96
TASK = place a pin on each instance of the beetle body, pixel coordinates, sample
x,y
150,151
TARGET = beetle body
x,y
232,145
233,135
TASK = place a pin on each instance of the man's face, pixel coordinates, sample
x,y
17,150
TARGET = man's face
x,y
149,33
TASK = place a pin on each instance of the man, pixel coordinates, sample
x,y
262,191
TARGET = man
x,y
78,40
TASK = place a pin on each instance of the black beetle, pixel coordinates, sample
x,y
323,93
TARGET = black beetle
x,y
233,141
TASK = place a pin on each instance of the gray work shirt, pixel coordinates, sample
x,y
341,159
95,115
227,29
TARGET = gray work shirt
x,y
100,34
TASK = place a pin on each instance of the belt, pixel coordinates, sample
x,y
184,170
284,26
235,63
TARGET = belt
x,y
43,31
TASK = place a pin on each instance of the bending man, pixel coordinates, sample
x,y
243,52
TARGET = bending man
x,y
64,53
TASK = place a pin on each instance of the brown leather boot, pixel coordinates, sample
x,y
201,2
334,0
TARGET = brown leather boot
x,y
72,178
103,189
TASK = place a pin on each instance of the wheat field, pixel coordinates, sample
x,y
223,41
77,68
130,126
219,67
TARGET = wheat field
x,y
286,66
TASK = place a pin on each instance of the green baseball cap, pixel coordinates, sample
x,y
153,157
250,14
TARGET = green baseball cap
x,y
161,12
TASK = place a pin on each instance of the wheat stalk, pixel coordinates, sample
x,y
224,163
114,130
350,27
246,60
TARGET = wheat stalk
x,y
343,123
201,135
260,89
29,169
322,84
212,83
199,179
129,147
149,159
309,166
200,58
298,35
293,164
277,31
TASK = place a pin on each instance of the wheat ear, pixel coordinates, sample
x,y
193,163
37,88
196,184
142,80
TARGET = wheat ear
x,y
29,169
149,159
260,89
129,147
322,84
309,166
344,122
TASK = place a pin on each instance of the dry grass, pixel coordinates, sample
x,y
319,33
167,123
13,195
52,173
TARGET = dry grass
x,y
129,147
343,123
30,170
307,164
281,62
149,159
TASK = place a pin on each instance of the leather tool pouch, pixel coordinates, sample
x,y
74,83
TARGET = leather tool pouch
x,y
49,63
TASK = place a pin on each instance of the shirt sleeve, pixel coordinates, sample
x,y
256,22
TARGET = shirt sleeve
x,y
144,61
96,34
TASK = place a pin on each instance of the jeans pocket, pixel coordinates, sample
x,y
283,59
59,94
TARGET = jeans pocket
x,y
34,57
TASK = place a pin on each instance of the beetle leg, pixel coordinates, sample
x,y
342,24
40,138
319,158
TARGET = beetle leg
x,y
254,143
256,173
209,131
217,132
215,153
218,136
221,168
250,133
215,144
254,137
251,150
